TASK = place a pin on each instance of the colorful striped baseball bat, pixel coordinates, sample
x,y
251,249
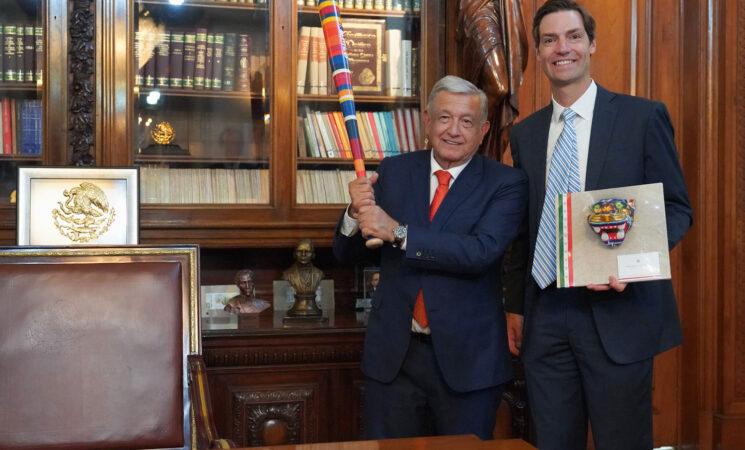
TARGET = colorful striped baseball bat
x,y
337,52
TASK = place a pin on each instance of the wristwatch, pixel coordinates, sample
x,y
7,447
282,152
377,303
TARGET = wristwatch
x,y
399,235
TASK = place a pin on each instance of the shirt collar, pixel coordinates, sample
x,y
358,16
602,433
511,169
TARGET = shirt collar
x,y
583,106
454,171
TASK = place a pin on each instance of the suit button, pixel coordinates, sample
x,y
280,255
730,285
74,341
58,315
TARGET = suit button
x,y
419,253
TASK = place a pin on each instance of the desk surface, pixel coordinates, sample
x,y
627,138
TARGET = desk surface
x,y
465,442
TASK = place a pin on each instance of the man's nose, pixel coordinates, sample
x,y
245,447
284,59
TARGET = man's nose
x,y
563,45
454,128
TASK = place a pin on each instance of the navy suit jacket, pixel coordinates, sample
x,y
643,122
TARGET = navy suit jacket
x,y
631,143
455,259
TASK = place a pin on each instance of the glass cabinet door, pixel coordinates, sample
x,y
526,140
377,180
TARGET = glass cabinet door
x,y
21,66
201,114
383,41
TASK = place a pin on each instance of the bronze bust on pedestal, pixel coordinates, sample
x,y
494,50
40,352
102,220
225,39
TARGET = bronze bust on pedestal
x,y
304,278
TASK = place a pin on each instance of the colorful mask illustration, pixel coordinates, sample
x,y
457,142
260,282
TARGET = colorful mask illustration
x,y
612,218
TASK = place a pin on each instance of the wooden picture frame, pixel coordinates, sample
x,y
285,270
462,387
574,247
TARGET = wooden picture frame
x,y
77,206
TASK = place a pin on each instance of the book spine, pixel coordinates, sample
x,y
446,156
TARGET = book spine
x,y
416,5
20,51
162,59
393,74
315,60
359,4
349,4
209,61
39,53
190,57
200,63
375,134
7,134
217,62
176,60
13,127
303,53
243,77
2,61
9,36
405,69
28,54
369,4
379,4
228,73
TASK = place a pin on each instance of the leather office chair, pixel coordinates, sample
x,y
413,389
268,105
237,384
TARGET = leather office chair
x,y
100,348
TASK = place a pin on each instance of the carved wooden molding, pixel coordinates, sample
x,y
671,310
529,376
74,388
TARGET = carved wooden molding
x,y
293,408
226,357
82,67
740,189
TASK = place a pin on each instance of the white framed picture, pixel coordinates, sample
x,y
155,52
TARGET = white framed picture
x,y
77,206
215,297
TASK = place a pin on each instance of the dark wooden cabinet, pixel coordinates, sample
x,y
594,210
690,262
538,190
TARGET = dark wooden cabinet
x,y
272,384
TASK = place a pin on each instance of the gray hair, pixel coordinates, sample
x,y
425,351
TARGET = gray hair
x,y
457,85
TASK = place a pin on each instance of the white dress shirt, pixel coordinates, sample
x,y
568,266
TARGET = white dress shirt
x,y
584,107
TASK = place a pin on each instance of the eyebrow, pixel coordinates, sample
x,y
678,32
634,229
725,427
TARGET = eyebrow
x,y
573,30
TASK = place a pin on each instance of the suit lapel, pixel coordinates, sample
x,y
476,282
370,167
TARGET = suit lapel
x,y
459,191
600,137
420,189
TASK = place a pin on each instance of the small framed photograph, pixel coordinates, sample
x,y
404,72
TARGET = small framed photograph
x,y
77,206
371,276
216,297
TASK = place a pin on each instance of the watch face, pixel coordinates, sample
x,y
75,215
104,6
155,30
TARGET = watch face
x,y
399,232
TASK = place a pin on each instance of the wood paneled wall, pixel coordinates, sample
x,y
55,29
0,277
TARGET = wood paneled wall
x,y
691,56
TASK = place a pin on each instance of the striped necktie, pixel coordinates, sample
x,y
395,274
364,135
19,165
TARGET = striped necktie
x,y
563,177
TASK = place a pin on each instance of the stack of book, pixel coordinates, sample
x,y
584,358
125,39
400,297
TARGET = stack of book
x,y
381,61
388,5
199,60
324,186
21,127
382,133
166,185
22,55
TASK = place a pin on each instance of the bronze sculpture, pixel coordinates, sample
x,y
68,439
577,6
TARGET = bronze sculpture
x,y
246,302
304,278
495,48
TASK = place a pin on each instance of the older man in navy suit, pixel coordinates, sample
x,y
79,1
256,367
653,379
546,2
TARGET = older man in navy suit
x,y
436,354
588,352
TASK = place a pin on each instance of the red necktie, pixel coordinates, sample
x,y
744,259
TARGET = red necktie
x,y
443,178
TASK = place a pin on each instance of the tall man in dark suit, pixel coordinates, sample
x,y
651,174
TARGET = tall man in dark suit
x,y
588,352
436,353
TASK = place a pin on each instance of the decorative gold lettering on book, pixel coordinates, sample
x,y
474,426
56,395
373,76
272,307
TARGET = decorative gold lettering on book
x,y
85,214
163,133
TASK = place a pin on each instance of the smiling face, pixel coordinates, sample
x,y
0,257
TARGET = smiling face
x,y
454,127
564,50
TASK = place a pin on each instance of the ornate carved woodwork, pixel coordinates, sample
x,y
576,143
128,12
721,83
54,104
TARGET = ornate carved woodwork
x,y
82,67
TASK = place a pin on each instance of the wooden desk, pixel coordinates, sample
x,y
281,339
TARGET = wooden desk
x,y
272,384
465,442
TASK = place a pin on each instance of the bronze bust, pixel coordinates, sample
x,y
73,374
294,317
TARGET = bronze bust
x,y
245,302
304,278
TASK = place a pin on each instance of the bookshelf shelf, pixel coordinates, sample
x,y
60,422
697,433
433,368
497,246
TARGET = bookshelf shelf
x,y
358,99
21,158
210,4
155,159
306,162
355,12
18,87
200,93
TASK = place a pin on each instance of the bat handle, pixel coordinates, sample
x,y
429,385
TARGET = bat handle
x,y
374,243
